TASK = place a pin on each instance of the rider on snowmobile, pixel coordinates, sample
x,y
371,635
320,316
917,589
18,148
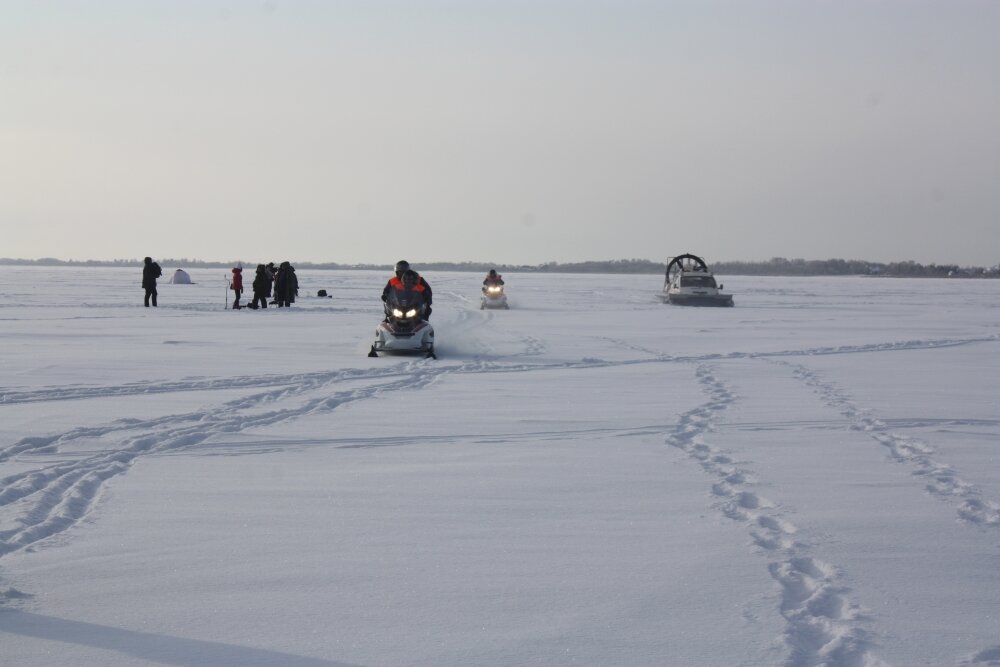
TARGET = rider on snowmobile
x,y
409,294
396,282
492,278
410,282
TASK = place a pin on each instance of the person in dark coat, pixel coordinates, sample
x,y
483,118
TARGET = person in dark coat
x,y
492,278
396,282
272,272
410,282
261,287
237,285
286,285
150,272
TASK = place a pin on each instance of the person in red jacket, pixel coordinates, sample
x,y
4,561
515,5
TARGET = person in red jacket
x,y
396,282
237,285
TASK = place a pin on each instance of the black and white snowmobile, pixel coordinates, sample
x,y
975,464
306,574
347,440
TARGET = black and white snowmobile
x,y
404,330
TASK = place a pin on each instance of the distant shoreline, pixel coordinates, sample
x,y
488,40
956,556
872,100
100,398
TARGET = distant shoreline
x,y
777,266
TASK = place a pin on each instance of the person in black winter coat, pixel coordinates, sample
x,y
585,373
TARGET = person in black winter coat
x,y
272,273
286,285
261,287
150,272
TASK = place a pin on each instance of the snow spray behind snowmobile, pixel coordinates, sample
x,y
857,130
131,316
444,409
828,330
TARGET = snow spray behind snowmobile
x,y
404,330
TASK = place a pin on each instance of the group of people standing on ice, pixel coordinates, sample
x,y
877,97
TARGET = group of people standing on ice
x,y
281,280
283,283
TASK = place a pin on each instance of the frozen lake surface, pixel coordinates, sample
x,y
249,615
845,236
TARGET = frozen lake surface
x,y
590,478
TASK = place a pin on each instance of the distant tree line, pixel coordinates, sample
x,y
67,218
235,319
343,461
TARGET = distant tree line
x,y
776,266
780,266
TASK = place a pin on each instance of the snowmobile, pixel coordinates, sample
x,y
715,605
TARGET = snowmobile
x,y
493,297
689,283
404,330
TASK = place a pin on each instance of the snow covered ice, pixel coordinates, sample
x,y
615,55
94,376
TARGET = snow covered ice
x,y
590,478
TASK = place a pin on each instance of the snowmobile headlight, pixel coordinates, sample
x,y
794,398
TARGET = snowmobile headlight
x,y
396,312
493,289
412,312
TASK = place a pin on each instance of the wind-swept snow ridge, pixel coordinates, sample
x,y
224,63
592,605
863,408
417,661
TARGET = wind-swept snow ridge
x,y
941,479
64,393
45,502
280,387
532,348
49,500
823,627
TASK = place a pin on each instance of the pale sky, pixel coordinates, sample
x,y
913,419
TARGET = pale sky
x,y
514,131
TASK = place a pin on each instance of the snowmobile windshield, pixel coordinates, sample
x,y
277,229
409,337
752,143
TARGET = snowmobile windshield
x,y
405,299
697,281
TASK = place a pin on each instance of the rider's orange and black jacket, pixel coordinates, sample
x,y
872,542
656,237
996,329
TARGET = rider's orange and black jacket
x,y
420,286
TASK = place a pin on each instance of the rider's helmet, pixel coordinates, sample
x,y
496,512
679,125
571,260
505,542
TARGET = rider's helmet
x,y
493,273
401,266
409,278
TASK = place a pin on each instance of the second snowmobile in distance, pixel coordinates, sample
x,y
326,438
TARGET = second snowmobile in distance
x,y
493,297
493,294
